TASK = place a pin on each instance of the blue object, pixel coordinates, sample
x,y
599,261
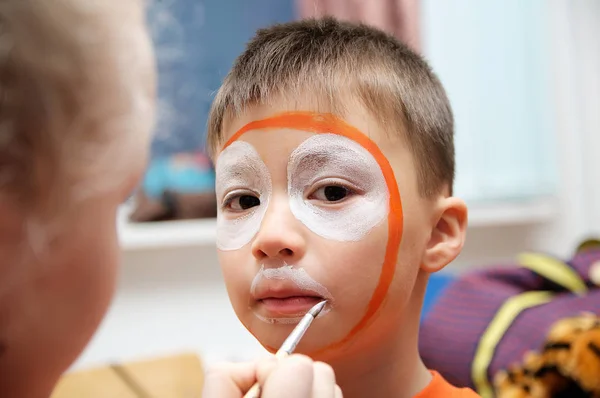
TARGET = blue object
x,y
438,282
181,173
196,43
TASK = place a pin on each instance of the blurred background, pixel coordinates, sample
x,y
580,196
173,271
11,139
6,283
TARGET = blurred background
x,y
523,78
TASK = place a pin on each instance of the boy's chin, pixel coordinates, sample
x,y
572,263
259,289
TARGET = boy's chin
x,y
272,335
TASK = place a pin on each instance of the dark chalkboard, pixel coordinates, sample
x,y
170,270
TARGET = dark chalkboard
x,y
196,42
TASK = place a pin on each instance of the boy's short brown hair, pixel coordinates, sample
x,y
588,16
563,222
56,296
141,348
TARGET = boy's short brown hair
x,y
334,61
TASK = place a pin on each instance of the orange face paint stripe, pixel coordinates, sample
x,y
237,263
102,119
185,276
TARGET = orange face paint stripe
x,y
329,123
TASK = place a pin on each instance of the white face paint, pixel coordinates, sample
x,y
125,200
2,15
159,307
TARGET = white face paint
x,y
299,279
242,180
325,167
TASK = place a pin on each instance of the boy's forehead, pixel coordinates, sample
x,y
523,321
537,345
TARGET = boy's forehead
x,y
355,118
274,142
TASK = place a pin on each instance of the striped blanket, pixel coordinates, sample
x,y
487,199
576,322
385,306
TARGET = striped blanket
x,y
488,319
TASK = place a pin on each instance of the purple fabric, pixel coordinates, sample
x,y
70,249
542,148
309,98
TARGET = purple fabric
x,y
451,331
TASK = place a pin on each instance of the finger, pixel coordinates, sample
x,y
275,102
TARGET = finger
x,y
323,381
291,378
264,368
229,380
338,392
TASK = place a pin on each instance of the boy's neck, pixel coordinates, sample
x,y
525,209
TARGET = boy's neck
x,y
388,373
390,368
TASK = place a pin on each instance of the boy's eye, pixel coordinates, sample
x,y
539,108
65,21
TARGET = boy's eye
x,y
243,202
331,193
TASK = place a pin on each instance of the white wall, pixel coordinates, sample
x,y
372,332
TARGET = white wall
x,y
171,300
171,297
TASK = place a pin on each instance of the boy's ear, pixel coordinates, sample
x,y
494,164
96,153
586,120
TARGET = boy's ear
x,y
448,235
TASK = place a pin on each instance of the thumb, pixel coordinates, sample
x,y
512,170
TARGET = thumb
x,y
290,377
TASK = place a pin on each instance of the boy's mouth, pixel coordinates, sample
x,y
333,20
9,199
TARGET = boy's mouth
x,y
292,305
286,294
278,300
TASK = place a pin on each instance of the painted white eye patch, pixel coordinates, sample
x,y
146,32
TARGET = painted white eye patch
x,y
329,168
243,184
335,186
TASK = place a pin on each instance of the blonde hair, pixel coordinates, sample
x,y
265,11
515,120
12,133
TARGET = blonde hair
x,y
334,61
68,83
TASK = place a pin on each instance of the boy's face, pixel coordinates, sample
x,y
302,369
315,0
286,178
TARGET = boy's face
x,y
310,209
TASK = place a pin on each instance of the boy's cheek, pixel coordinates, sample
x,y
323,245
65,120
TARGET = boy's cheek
x,y
410,257
236,273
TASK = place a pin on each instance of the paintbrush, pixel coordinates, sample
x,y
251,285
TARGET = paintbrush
x,y
289,345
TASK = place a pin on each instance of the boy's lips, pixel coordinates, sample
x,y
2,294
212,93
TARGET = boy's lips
x,y
279,300
294,306
285,294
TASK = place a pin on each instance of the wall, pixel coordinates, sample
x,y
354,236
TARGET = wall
x,y
171,297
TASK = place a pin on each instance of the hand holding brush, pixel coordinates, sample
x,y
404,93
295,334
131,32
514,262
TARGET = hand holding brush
x,y
285,375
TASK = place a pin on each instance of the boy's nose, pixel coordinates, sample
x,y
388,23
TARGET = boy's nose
x,y
279,237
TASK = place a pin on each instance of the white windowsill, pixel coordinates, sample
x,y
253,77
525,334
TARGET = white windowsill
x,y
174,234
512,213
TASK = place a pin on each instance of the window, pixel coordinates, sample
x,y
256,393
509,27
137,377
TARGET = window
x,y
196,43
493,58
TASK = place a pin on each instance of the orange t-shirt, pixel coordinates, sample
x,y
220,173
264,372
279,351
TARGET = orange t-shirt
x,y
440,388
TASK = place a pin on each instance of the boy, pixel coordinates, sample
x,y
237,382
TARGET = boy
x,y
334,156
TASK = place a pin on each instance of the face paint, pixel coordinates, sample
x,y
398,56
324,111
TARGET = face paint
x,y
320,123
241,176
296,278
329,161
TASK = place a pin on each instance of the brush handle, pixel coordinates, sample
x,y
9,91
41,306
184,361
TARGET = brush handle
x,y
255,391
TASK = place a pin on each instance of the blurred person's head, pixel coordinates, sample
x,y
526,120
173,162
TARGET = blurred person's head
x,y
77,88
334,155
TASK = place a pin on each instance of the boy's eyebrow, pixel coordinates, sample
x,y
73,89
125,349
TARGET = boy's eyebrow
x,y
235,170
240,167
312,155
324,158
